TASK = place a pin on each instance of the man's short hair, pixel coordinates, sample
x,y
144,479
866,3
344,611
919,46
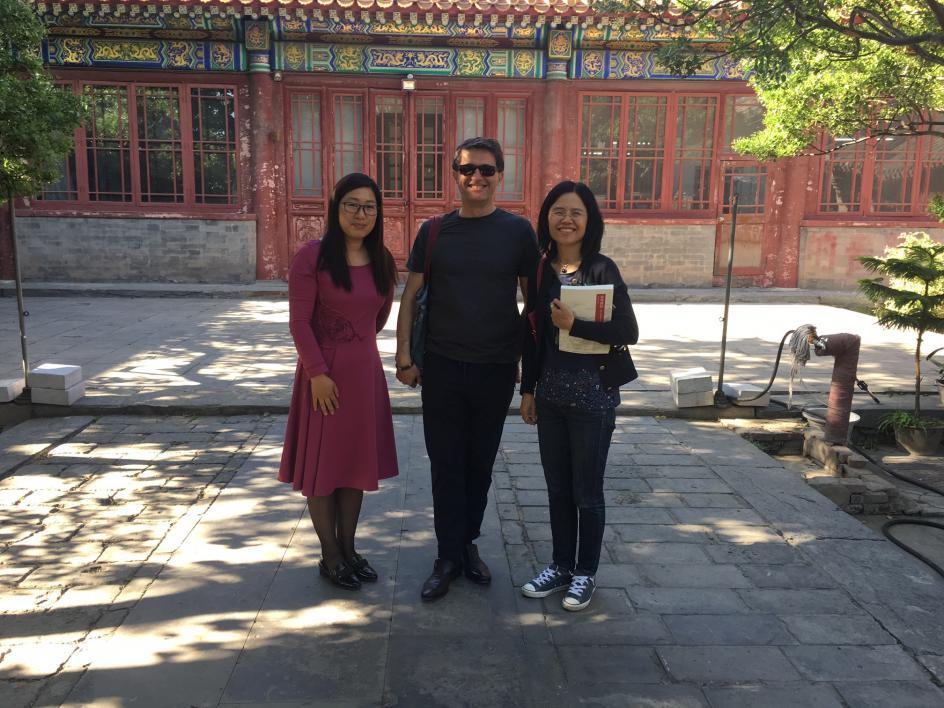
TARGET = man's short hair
x,y
490,144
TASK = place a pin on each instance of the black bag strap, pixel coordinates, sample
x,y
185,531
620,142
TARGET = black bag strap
x,y
540,275
435,224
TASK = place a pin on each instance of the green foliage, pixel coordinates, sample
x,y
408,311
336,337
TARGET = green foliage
x,y
845,67
912,296
936,207
901,419
37,119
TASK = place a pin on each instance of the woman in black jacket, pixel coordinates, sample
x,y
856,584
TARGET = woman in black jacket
x,y
562,393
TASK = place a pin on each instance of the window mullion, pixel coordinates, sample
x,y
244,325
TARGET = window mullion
x,y
186,144
134,164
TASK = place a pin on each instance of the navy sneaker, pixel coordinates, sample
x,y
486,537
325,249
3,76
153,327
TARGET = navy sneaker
x,y
550,580
579,593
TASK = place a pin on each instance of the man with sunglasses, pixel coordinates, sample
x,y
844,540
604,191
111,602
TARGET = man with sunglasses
x,y
479,258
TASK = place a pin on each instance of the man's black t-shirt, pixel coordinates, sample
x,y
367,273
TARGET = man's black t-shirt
x,y
473,310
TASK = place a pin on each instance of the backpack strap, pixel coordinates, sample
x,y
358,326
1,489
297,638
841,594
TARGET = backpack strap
x,y
435,224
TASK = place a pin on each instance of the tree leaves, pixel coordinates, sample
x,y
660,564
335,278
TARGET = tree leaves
x,y
37,119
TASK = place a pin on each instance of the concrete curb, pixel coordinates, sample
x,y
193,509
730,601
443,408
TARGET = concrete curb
x,y
277,290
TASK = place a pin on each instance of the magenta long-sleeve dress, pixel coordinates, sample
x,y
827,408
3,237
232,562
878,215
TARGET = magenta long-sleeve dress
x,y
335,333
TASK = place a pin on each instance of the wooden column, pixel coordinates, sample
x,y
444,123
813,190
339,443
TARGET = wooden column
x,y
269,247
786,259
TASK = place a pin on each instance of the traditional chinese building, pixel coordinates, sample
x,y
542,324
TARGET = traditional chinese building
x,y
218,127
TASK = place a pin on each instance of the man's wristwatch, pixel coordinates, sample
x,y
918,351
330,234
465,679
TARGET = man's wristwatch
x,y
405,368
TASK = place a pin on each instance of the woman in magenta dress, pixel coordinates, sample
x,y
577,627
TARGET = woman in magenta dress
x,y
339,440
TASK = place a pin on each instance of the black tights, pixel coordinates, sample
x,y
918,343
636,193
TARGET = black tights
x,y
335,520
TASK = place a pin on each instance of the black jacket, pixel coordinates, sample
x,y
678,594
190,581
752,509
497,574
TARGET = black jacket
x,y
621,329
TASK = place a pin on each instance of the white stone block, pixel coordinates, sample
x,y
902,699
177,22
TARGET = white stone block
x,y
738,391
10,389
58,376
58,397
691,400
690,380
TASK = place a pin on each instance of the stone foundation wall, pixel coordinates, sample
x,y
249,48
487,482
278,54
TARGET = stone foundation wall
x,y
828,253
165,250
650,255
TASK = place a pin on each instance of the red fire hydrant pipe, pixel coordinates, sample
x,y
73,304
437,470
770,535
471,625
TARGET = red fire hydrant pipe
x,y
845,349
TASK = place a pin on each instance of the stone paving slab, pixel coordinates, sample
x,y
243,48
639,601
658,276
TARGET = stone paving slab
x,y
168,567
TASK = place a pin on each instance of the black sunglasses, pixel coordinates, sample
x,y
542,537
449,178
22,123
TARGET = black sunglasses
x,y
468,169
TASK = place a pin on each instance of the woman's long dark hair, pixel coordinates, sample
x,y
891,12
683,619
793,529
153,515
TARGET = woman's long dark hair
x,y
333,254
592,237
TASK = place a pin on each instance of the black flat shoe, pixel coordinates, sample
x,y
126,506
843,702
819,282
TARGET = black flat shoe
x,y
341,575
362,569
437,584
474,567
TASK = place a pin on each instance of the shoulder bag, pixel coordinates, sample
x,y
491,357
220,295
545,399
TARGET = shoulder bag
x,y
618,368
421,318
533,315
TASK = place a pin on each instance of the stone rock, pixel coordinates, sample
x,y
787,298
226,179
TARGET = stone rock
x,y
10,389
55,376
690,381
58,397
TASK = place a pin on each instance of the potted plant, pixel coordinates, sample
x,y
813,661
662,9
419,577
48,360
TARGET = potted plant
x,y
940,372
911,299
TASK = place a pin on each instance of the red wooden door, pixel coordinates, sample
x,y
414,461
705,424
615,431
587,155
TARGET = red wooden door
x,y
405,140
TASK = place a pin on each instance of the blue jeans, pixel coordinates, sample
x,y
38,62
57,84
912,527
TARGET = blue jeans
x,y
574,444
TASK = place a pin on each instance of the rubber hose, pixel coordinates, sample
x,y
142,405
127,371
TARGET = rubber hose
x,y
906,520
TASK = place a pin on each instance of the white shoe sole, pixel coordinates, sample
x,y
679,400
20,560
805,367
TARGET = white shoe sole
x,y
575,608
543,593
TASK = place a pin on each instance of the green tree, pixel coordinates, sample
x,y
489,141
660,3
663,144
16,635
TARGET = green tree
x,y
872,67
911,298
37,119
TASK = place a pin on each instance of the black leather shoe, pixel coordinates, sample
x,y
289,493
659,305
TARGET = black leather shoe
x,y
437,584
362,569
474,567
341,575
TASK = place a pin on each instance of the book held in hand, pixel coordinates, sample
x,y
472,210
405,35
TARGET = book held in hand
x,y
589,302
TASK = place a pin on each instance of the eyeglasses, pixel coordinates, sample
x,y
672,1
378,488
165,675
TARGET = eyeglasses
x,y
468,169
353,207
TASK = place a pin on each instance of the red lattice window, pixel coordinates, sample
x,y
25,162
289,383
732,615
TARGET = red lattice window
x,y
599,147
470,118
887,174
214,145
895,173
841,180
743,116
348,135
644,154
306,146
65,187
932,169
511,135
160,159
694,145
429,147
388,114
108,144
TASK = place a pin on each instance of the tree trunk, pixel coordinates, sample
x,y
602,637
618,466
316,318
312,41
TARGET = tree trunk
x,y
21,310
917,406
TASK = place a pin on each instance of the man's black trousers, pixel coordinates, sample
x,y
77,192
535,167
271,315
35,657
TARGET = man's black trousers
x,y
464,411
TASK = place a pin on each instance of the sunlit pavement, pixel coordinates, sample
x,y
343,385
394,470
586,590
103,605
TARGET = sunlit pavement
x,y
155,561
205,355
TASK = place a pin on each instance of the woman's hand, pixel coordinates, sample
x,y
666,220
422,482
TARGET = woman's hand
x,y
528,410
561,315
411,376
324,394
